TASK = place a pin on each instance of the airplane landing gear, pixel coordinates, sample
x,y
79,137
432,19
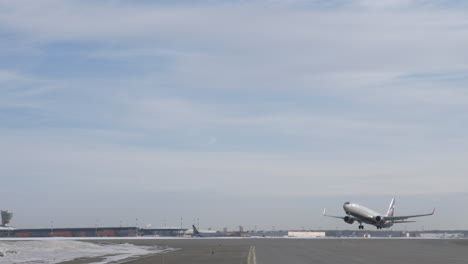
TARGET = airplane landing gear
x,y
361,227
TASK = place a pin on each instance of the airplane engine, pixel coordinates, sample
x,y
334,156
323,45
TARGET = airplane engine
x,y
348,219
379,219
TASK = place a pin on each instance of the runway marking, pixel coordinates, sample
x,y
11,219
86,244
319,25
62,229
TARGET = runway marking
x,y
252,257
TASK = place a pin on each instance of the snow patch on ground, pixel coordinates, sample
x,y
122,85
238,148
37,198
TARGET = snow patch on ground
x,y
59,250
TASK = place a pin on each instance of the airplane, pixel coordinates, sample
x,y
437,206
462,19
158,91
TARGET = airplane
x,y
197,233
361,214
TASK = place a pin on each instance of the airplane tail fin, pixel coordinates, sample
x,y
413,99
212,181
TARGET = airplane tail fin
x,y
391,208
195,230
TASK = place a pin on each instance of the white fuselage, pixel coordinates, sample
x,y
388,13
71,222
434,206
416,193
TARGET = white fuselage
x,y
363,214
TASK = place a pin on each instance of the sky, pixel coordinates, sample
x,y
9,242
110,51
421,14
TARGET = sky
x,y
256,113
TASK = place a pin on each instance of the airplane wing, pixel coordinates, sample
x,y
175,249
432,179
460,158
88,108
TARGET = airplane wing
x,y
401,222
334,216
403,217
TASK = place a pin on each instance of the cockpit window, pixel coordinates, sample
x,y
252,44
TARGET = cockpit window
x,y
347,203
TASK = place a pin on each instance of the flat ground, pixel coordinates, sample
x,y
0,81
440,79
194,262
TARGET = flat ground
x,y
298,251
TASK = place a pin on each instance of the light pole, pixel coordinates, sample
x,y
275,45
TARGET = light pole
x,y
96,234
136,226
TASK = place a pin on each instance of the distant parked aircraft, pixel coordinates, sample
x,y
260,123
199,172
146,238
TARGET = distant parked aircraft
x,y
361,214
197,233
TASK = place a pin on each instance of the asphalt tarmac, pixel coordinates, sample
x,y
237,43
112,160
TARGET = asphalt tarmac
x,y
299,251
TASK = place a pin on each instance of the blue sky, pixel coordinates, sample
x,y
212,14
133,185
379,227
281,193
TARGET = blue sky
x,y
251,102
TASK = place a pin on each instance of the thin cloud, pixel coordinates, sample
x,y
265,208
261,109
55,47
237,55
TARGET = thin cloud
x,y
259,98
288,174
8,76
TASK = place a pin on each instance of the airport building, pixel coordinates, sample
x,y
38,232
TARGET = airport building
x,y
72,232
306,234
130,231
163,232
442,235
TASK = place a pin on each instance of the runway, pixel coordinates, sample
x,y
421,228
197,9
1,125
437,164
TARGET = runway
x,y
299,251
